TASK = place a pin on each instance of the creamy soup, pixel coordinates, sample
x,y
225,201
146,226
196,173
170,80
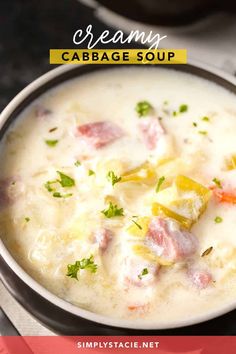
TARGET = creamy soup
x,y
118,193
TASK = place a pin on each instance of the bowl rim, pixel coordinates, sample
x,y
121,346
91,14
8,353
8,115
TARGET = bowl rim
x,y
54,299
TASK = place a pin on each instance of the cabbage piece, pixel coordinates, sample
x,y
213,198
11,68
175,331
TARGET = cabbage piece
x,y
144,173
184,201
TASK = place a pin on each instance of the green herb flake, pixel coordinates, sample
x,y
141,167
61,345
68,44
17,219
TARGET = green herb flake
x,y
202,132
113,211
65,181
85,263
166,102
139,226
91,172
194,124
59,195
175,113
159,183
217,182
207,251
143,108
113,178
206,119
27,219
48,186
183,108
143,273
51,143
218,220
77,163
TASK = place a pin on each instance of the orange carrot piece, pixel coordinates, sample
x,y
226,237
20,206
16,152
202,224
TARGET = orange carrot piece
x,y
223,196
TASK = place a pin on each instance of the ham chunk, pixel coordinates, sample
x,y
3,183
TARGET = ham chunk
x,y
7,191
139,272
103,238
42,112
168,240
200,278
151,130
99,134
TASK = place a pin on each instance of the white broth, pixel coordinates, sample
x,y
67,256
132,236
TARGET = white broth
x,y
118,193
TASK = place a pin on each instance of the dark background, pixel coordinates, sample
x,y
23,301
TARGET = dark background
x,y
28,29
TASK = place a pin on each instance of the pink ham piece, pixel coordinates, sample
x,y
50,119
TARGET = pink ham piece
x,y
42,112
103,238
6,197
99,134
200,278
168,240
152,131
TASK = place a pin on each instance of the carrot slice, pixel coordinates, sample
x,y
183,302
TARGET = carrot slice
x,y
141,308
223,196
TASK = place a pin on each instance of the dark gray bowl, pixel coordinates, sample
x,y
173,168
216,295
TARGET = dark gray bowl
x,y
58,314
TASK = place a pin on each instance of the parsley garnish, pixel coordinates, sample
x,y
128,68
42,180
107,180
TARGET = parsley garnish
x,y
159,183
59,195
51,143
113,178
194,124
48,186
65,180
218,219
183,108
112,211
143,108
144,272
206,119
27,219
202,132
91,172
77,163
85,263
217,182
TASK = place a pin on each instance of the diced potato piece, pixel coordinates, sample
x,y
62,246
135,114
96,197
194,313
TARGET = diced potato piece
x,y
143,174
145,252
158,209
140,231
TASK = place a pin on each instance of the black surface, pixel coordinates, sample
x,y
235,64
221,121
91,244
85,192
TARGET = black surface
x,y
28,30
163,12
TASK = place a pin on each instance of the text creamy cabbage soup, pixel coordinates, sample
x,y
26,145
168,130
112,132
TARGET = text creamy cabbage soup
x,y
118,194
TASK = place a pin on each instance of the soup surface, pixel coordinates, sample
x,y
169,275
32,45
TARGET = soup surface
x,y
118,194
